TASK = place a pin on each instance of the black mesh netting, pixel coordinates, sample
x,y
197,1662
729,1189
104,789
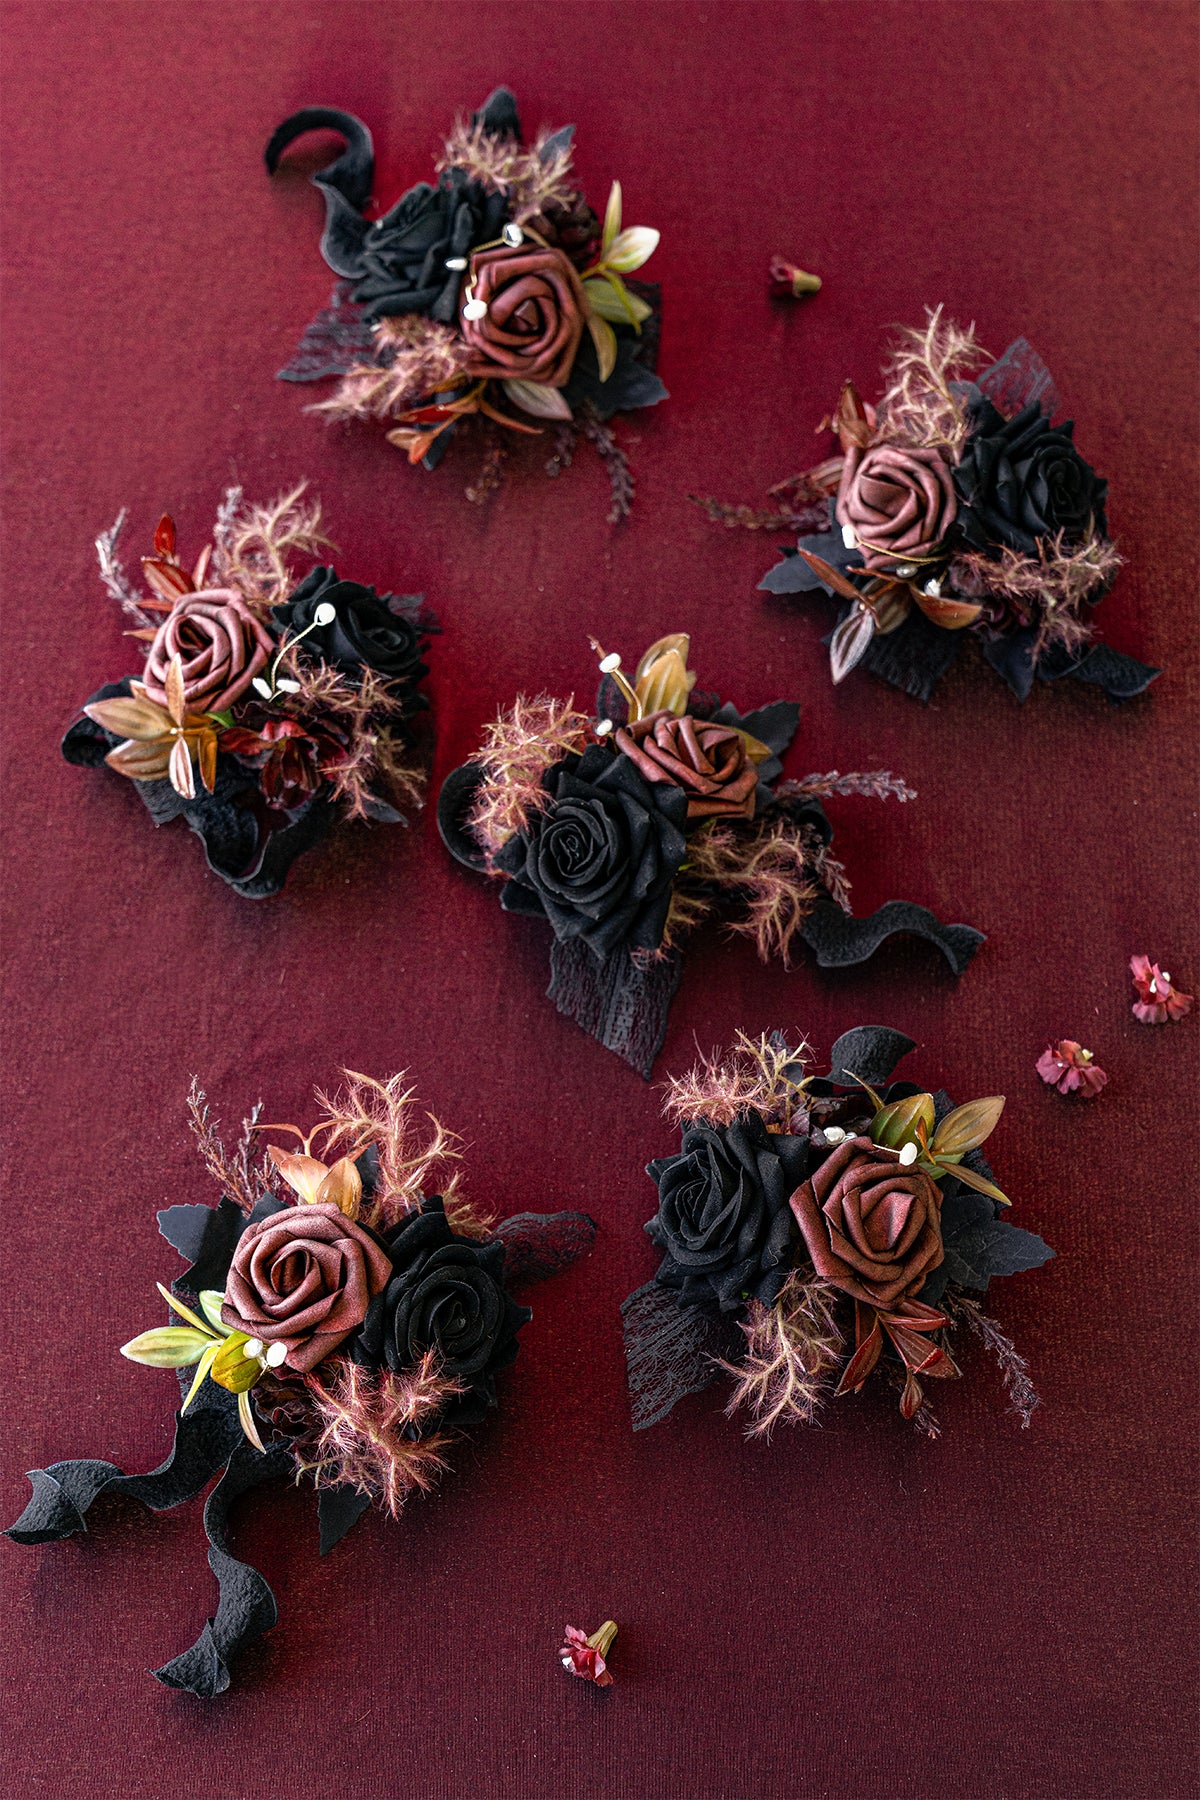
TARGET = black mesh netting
x,y
540,1244
337,339
669,1351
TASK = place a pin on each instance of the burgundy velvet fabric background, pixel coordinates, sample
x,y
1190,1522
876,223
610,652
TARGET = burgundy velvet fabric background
x,y
855,1611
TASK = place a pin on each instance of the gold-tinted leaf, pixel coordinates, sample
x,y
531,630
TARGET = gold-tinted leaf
x,y
631,248
897,1123
612,217
304,1174
833,578
981,1186
202,1369
210,1305
674,640
185,1312
756,750
613,301
890,604
173,689
967,1126
605,340
141,720
246,1419
206,756
141,762
168,1347
232,1368
536,398
342,1187
201,568
665,685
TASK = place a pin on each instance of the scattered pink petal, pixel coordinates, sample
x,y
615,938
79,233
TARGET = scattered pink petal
x,y
1157,1001
1071,1069
790,283
584,1656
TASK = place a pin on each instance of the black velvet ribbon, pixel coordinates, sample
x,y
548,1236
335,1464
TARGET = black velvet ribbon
x,y
839,939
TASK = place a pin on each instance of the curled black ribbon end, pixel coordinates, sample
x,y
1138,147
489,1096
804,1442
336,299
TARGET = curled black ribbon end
x,y
839,940
453,807
345,183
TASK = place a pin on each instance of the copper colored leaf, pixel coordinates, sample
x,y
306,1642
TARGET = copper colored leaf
x,y
141,762
342,1187
133,718
850,419
164,536
850,642
303,1174
899,1123
951,615
967,1126
206,756
891,604
665,685
960,1172
605,340
201,568
179,768
863,1360
168,580
833,578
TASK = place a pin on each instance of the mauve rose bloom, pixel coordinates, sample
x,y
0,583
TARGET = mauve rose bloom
x,y
304,1278
708,760
534,319
872,1227
221,644
899,500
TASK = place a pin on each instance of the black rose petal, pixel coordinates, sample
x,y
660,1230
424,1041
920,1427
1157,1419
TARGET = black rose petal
x,y
405,254
365,632
600,859
446,1294
723,1217
1022,479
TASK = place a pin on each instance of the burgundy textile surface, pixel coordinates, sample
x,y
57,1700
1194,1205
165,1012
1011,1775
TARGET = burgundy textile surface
x,y
855,1611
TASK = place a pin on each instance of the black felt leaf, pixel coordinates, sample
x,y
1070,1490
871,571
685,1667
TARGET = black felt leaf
x,y
1121,677
1011,655
215,1242
498,115
795,576
338,1508
870,1052
774,725
840,940
558,140
990,1248
632,383
184,1228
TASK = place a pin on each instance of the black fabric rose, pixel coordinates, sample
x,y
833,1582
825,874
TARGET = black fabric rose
x,y
599,860
723,1217
364,632
1022,479
404,255
446,1294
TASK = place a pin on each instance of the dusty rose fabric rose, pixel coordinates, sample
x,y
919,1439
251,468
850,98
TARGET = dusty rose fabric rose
x,y
534,319
900,501
872,1227
222,646
304,1278
709,760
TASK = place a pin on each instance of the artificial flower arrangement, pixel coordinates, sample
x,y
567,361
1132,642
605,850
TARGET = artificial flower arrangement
x,y
626,830
337,1323
494,299
954,505
268,706
816,1231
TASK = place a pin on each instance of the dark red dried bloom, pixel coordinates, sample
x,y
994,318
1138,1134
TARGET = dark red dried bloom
x,y
1071,1069
289,757
584,1656
1157,1001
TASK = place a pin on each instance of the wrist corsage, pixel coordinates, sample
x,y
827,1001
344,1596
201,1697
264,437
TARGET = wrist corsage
x,y
268,707
627,830
337,1323
816,1231
955,505
495,299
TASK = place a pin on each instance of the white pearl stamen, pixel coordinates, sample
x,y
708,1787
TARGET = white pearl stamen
x,y
475,309
604,727
457,263
276,1353
253,1347
514,237
609,663
908,1154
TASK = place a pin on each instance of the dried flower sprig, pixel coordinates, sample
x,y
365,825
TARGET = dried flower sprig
x,y
793,1348
587,1656
763,1075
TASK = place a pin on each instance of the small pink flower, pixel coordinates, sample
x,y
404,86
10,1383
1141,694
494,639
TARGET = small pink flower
x,y
584,1656
1071,1069
790,283
1157,1001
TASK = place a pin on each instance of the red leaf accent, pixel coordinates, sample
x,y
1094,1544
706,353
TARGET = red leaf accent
x,y
164,536
870,1345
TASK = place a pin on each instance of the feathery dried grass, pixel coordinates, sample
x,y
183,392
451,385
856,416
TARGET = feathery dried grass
x,y
415,357
530,180
413,1161
1047,589
792,1349
518,747
1023,1396
353,1424
751,1077
918,405
770,868
875,784
231,1170
260,542
116,581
